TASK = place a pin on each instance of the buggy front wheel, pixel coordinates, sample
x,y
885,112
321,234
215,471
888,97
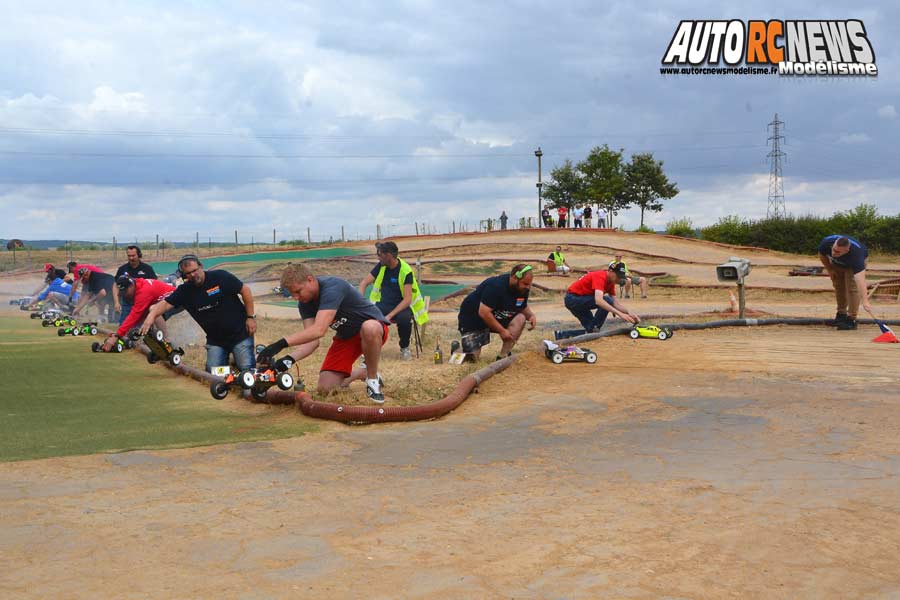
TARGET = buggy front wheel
x,y
218,389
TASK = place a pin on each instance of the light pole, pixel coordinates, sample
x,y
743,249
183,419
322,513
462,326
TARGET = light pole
x,y
539,154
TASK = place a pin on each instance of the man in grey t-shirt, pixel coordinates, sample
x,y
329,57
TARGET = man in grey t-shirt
x,y
360,329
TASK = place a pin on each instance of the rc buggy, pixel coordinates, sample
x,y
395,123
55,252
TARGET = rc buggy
x,y
119,346
83,329
160,347
650,331
560,354
60,321
257,380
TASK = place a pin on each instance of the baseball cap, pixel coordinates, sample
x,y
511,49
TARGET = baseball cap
x,y
124,282
47,267
618,269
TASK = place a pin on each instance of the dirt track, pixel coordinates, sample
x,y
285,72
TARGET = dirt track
x,y
746,463
726,466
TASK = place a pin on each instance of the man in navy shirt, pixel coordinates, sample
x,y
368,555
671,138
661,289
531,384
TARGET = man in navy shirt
x,y
221,304
359,329
96,288
845,260
498,304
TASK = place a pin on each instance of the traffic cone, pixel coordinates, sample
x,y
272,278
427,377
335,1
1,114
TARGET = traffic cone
x,y
887,334
887,337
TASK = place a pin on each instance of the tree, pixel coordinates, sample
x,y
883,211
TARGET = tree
x,y
646,184
564,188
604,179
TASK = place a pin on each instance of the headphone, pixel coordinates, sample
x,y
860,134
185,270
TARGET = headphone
x,y
521,272
187,258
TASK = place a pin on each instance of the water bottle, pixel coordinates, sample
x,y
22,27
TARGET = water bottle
x,y
438,354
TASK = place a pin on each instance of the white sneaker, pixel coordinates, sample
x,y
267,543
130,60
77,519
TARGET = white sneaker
x,y
405,354
373,390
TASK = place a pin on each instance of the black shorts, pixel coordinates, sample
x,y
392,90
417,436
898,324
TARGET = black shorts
x,y
474,340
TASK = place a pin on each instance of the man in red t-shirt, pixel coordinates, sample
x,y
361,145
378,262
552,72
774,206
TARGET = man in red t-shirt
x,y
562,211
595,290
141,294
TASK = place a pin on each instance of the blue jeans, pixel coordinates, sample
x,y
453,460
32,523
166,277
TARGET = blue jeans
x,y
244,355
126,310
582,307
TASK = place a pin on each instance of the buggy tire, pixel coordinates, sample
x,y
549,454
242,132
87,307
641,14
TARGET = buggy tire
x,y
151,358
61,331
175,359
95,347
93,331
590,358
118,348
76,331
218,390
258,393
662,335
634,334
159,336
557,358
247,379
285,381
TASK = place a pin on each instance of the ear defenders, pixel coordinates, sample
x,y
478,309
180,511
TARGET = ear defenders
x,y
521,272
187,258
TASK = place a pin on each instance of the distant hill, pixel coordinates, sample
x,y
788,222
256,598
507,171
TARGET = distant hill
x,y
53,244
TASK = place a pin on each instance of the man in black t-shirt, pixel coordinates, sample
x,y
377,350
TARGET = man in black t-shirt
x,y
222,305
96,289
845,260
498,304
136,269
360,329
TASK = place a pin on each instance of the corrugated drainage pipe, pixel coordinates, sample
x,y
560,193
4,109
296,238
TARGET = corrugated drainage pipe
x,y
383,414
723,323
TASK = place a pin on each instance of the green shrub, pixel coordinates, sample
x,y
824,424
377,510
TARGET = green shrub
x,y
681,227
728,230
644,229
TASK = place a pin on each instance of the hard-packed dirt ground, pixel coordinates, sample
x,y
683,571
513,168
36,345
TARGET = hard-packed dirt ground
x,y
757,462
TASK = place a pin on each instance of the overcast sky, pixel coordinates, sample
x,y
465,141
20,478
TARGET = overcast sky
x,y
135,119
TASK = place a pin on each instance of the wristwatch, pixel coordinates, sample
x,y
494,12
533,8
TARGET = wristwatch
x,y
251,316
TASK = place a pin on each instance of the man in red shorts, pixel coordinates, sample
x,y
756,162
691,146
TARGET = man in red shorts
x,y
360,329
141,294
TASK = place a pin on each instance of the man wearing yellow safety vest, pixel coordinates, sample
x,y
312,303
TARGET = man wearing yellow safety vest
x,y
396,293
629,280
560,261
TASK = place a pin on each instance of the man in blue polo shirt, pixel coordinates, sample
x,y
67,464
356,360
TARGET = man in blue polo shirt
x,y
845,260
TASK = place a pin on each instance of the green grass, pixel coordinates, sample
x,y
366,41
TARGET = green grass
x,y
435,290
61,399
468,268
209,262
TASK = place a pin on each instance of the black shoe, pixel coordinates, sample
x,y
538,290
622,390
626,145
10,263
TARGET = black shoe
x,y
838,319
849,324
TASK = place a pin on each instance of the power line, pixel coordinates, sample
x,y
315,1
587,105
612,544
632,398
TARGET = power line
x,y
79,154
